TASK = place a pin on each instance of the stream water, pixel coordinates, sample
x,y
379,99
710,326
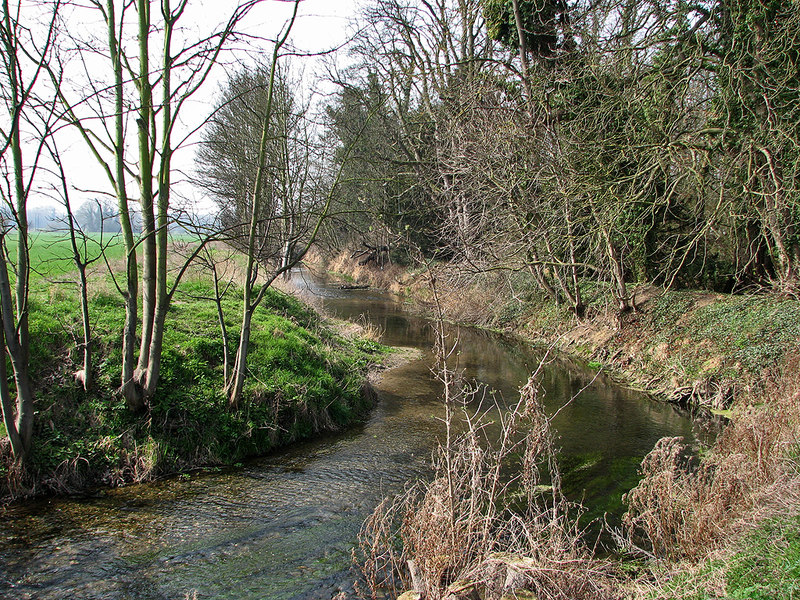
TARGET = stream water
x,y
282,527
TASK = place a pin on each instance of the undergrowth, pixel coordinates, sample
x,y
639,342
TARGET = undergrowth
x,y
734,511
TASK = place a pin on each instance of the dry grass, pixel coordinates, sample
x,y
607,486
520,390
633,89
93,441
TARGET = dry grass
x,y
685,509
484,523
391,277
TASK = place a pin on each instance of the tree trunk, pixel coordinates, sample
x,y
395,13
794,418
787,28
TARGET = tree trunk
x,y
235,386
236,383
86,373
617,275
578,306
20,429
8,408
162,296
146,139
14,305
130,293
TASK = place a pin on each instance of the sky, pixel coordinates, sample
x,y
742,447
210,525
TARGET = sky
x,y
321,26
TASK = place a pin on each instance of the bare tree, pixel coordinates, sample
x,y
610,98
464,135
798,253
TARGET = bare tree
x,y
22,62
85,252
145,94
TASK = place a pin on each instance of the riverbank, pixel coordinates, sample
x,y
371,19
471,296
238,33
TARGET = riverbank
x,y
307,377
692,347
723,526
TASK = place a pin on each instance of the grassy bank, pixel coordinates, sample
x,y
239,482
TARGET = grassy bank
x,y
304,378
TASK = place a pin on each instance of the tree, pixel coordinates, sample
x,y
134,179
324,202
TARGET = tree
x,y
82,258
23,58
153,98
378,202
255,211
99,215
756,109
530,26
415,61
274,190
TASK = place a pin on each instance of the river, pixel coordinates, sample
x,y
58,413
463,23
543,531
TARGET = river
x,y
282,527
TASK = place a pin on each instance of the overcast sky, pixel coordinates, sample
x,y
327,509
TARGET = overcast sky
x,y
321,26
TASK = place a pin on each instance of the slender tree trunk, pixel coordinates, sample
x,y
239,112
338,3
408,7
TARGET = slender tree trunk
x,y
131,292
573,296
162,298
16,302
779,222
18,356
8,405
577,301
226,360
146,133
535,269
235,385
85,375
237,376
617,275
88,379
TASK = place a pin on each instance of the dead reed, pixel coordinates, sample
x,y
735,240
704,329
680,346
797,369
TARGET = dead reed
x,y
492,519
687,509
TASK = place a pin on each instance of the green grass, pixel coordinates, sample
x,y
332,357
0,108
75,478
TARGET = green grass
x,y
765,565
303,379
51,251
723,339
745,335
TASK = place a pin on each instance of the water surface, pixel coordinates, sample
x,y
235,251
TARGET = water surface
x,y
282,527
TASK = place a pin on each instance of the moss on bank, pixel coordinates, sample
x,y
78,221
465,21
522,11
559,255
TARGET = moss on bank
x,y
304,378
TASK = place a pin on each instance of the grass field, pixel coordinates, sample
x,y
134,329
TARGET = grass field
x,y
51,252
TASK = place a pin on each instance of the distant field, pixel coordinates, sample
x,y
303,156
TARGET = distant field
x,y
51,251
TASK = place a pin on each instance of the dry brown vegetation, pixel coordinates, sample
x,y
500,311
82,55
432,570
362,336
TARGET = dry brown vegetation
x,y
454,536
491,520
475,530
688,511
389,276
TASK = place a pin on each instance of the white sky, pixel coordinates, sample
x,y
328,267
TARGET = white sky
x,y
321,26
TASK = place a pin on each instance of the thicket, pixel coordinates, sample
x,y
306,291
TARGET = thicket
x,y
618,142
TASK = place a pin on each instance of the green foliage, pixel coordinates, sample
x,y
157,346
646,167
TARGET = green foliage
x,y
755,332
767,567
541,22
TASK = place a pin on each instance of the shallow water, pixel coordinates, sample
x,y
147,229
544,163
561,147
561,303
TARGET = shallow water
x,y
282,527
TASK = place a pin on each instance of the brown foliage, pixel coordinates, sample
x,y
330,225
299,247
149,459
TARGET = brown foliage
x,y
686,508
